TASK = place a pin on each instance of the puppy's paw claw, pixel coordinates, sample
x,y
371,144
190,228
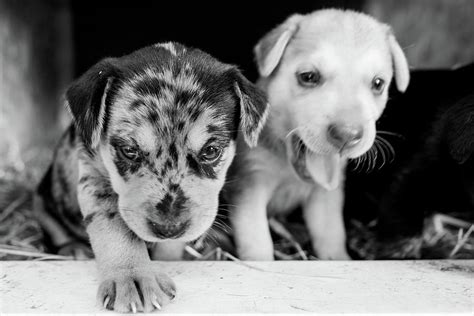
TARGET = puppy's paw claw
x,y
106,301
129,291
156,304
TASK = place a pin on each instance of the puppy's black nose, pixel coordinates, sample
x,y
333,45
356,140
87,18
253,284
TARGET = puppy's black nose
x,y
169,230
344,135
172,204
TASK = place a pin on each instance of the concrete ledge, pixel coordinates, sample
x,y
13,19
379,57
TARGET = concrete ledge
x,y
282,286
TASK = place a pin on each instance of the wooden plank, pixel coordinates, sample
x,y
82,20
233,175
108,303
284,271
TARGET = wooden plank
x,y
282,286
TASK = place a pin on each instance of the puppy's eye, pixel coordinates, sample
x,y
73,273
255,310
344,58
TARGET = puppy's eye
x,y
309,78
210,154
378,85
129,153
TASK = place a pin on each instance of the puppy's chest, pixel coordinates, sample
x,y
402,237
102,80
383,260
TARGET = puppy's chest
x,y
290,193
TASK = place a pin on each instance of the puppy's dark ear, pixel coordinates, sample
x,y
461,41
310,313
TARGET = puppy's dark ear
x,y
86,100
271,47
253,108
460,130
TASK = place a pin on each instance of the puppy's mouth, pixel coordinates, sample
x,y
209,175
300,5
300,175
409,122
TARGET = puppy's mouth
x,y
324,169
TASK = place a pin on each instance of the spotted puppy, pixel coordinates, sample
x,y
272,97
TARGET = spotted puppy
x,y
153,136
326,75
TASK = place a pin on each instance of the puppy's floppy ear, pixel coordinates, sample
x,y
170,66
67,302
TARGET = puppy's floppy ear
x,y
253,108
400,63
86,100
271,47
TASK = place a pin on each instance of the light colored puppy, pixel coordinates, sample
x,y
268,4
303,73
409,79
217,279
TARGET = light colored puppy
x,y
326,75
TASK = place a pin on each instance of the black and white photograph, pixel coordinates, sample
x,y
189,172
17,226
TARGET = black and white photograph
x,y
237,157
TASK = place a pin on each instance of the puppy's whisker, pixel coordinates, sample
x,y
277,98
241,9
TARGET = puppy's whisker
x,y
389,133
371,160
382,152
210,236
222,216
223,211
359,160
388,146
386,149
232,181
227,204
223,226
292,131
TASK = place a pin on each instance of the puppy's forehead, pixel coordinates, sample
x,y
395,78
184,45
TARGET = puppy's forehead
x,y
332,40
170,66
169,89
344,30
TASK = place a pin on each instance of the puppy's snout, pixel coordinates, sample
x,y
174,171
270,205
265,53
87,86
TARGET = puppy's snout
x,y
168,230
344,135
171,204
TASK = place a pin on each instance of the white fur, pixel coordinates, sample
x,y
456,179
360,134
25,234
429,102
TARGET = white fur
x,y
169,46
198,135
349,49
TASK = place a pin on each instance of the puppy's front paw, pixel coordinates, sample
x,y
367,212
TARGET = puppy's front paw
x,y
132,291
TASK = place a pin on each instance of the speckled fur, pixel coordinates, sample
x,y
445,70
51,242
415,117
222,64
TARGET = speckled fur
x,y
169,103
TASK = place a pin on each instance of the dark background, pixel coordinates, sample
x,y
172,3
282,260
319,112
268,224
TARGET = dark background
x,y
227,30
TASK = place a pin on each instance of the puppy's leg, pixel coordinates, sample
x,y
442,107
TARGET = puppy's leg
x,y
128,280
168,251
55,231
325,222
60,238
250,223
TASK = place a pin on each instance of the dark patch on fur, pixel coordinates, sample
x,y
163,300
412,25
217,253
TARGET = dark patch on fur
x,y
108,214
173,203
159,152
173,153
84,179
212,128
165,205
183,97
102,195
124,166
195,115
88,219
153,116
151,86
180,126
199,169
174,187
168,165
136,104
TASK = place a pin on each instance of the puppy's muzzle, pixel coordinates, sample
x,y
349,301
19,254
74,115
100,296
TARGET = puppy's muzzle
x,y
168,230
344,136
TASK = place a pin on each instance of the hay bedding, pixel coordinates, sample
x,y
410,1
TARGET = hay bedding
x,y
21,237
